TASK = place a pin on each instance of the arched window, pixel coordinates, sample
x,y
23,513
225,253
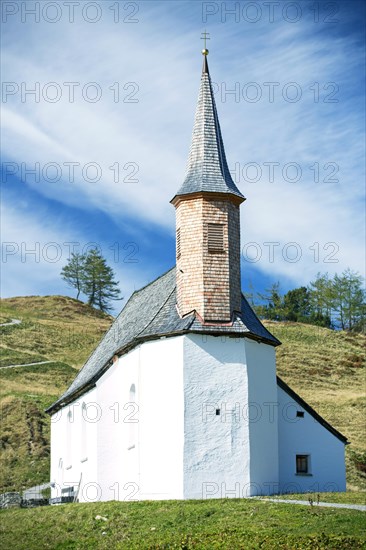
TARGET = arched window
x,y
60,474
69,422
131,418
84,435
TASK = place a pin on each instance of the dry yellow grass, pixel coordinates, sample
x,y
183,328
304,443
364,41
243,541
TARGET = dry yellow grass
x,y
327,368
55,327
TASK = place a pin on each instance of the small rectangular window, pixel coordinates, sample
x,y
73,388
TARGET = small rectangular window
x,y
178,243
302,464
300,414
68,491
215,237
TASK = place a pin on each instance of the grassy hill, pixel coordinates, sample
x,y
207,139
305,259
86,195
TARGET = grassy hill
x,y
326,368
52,328
229,523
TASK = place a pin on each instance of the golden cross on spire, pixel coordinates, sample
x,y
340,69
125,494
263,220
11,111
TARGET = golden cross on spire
x,y
205,37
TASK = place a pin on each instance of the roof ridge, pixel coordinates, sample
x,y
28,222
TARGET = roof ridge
x,y
148,284
137,292
257,319
157,313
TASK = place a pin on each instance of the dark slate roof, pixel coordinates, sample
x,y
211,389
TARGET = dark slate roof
x,y
207,169
149,314
290,392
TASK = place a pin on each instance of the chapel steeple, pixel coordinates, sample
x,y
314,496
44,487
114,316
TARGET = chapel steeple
x,y
208,220
207,169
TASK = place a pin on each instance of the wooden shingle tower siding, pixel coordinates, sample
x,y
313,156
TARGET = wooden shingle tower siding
x,y
208,221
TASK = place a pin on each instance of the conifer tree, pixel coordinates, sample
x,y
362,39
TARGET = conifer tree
x,y
337,302
99,284
349,300
73,272
321,292
274,307
296,305
90,274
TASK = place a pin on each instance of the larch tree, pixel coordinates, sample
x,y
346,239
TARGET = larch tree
x,y
90,275
349,300
99,283
73,272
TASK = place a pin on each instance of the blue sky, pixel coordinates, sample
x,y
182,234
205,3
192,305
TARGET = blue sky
x,y
116,86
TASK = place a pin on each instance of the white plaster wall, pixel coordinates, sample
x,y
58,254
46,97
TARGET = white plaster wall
x,y
307,436
153,467
73,446
181,448
262,414
216,448
162,419
112,396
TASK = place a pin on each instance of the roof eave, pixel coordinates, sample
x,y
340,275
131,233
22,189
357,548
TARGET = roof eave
x,y
232,197
311,411
64,401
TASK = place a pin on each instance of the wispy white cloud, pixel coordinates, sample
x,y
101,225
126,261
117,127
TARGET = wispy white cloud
x,y
160,55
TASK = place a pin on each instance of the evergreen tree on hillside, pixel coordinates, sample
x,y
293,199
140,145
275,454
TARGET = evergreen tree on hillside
x,y
296,305
99,284
73,272
274,308
90,274
349,300
321,298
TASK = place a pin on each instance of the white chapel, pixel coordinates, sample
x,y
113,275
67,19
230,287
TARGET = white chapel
x,y
180,399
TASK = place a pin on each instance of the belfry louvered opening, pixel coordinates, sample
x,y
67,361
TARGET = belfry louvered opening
x,y
178,243
215,237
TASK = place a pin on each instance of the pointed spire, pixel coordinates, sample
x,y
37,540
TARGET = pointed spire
x,y
207,169
205,64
